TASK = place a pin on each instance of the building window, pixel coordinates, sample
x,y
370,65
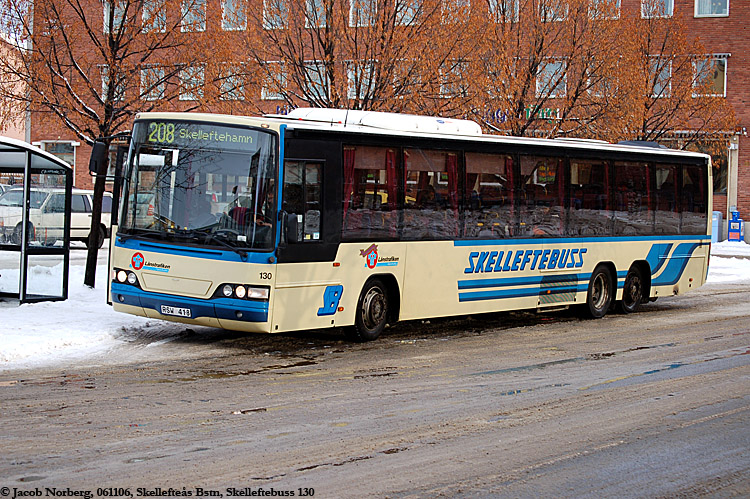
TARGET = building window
x,y
117,14
154,16
153,83
316,80
553,10
232,82
192,79
407,11
661,77
193,16
551,80
604,9
362,13
315,14
657,8
233,15
119,88
454,81
274,81
275,14
504,10
710,77
711,8
65,150
360,79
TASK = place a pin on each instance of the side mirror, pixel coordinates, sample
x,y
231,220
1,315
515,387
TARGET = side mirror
x,y
98,160
293,228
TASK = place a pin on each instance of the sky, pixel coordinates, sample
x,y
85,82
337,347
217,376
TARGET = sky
x,y
84,329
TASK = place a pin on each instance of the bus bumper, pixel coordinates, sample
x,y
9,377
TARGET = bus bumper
x,y
229,313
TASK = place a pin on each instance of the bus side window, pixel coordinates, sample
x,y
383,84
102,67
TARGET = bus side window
x,y
302,196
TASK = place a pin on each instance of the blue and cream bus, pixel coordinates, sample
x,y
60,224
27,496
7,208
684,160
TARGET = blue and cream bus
x,y
330,218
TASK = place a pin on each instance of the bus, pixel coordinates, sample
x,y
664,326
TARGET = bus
x,y
333,218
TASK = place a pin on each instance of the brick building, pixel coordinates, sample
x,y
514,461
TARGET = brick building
x,y
720,25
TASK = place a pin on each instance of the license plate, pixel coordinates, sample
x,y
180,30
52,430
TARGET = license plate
x,y
179,312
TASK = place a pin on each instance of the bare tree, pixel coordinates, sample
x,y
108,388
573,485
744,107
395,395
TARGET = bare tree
x,y
91,65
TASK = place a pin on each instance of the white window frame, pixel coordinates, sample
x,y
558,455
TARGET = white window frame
x,y
647,5
192,79
153,89
238,7
315,10
710,58
542,85
104,71
595,14
359,18
119,12
457,85
316,76
362,72
193,16
652,70
266,92
504,10
407,11
275,14
559,9
154,16
232,74
698,14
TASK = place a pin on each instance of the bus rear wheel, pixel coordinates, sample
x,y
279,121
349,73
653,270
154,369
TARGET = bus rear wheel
x,y
372,312
632,292
600,293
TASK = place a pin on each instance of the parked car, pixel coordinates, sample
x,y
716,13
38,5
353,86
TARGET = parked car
x,y
46,215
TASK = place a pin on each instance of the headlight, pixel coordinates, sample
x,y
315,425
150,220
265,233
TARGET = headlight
x,y
227,290
131,278
122,276
240,291
258,293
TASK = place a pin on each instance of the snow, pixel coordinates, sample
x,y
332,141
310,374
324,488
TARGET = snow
x,y
85,328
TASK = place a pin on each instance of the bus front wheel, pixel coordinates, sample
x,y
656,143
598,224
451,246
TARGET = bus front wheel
x,y
600,293
372,312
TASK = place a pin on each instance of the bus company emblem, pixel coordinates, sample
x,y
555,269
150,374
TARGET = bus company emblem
x,y
370,255
137,261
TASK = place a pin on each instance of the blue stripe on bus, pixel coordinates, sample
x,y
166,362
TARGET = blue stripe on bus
x,y
221,308
194,252
677,263
520,281
516,293
571,240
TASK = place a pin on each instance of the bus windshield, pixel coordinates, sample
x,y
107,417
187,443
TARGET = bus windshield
x,y
201,183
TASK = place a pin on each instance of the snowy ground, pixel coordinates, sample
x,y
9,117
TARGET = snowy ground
x,y
84,327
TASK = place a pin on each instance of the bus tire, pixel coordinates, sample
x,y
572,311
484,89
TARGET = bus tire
x,y
632,292
372,312
600,293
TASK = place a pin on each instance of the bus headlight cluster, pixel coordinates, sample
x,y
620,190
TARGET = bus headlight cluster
x,y
244,291
124,277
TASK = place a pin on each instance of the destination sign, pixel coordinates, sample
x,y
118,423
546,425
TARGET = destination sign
x,y
196,135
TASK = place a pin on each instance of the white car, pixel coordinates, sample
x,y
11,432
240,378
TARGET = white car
x,y
46,215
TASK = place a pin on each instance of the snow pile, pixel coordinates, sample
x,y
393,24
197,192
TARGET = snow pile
x,y
77,328
730,248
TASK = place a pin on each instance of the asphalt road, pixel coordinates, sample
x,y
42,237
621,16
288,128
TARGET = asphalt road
x,y
650,404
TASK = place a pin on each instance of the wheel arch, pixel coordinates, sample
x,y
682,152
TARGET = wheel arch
x,y
645,269
394,294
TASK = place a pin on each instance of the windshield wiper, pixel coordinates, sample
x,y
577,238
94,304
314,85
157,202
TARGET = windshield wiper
x,y
205,237
140,232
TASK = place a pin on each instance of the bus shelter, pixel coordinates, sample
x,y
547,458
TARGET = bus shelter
x,y
35,205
